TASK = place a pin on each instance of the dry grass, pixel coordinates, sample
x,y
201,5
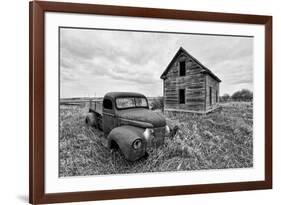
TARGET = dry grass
x,y
219,140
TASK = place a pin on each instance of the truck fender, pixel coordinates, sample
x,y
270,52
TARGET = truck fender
x,y
124,137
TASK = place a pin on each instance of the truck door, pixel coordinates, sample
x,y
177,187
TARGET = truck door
x,y
108,116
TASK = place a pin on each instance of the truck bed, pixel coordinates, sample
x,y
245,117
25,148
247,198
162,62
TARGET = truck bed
x,y
96,106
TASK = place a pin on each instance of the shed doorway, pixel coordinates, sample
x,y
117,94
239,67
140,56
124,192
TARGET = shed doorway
x,y
210,95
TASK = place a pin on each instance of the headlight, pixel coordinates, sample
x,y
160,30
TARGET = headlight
x,y
137,144
167,129
148,133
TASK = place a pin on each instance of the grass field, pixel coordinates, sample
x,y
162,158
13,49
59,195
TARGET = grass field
x,y
222,139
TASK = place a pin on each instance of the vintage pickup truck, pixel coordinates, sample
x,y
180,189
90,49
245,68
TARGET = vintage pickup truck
x,y
127,123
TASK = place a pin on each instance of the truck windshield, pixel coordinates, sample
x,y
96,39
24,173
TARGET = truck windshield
x,y
131,102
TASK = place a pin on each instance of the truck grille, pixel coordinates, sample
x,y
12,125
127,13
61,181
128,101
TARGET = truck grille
x,y
159,136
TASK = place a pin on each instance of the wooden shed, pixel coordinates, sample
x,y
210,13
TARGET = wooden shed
x,y
189,86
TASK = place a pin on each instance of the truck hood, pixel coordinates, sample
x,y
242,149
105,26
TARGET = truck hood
x,y
143,116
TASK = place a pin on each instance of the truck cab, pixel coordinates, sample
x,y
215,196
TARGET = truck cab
x,y
128,123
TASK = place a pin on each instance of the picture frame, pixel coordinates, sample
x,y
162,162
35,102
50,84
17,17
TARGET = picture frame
x,y
37,99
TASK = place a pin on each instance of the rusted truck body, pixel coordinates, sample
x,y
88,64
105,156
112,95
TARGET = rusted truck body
x,y
128,123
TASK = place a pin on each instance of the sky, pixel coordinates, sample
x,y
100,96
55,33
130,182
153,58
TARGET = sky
x,y
94,62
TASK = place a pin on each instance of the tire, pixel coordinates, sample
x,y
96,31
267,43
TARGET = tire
x,y
91,120
87,121
116,152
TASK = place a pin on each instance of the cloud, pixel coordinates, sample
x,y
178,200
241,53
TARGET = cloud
x,y
90,59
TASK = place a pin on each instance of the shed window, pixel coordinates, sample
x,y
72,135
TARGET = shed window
x,y
107,104
182,68
181,96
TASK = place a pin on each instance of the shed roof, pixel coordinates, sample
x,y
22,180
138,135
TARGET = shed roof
x,y
182,50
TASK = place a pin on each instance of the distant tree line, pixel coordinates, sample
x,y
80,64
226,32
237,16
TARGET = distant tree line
x,y
241,95
157,103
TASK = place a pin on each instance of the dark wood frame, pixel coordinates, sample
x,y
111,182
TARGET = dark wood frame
x,y
37,95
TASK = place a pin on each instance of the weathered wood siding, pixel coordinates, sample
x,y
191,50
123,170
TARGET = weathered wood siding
x,y
211,82
193,83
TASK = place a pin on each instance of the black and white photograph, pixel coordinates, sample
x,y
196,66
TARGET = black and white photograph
x,y
135,101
